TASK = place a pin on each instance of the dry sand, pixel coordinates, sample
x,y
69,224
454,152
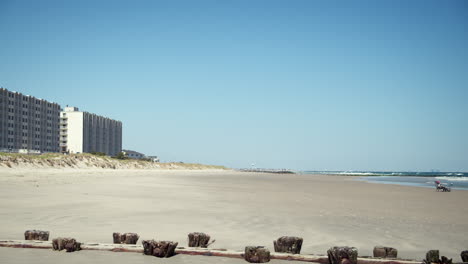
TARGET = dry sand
x,y
235,208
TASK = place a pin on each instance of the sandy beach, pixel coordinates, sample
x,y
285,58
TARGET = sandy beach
x,y
235,208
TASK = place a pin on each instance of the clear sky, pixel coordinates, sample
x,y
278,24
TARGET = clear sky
x,y
311,85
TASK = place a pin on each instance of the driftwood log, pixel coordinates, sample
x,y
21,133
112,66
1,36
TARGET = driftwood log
x,y
256,254
342,255
385,252
160,249
196,251
197,239
287,244
67,243
464,256
126,238
36,235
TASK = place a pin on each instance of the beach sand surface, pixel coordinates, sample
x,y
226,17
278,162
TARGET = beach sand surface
x,y
235,208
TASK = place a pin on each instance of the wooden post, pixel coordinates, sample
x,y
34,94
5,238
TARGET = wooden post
x,y
432,256
445,260
385,252
256,254
126,238
36,235
464,256
67,243
342,255
287,244
160,249
197,239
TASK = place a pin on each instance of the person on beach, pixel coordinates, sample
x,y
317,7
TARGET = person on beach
x,y
345,259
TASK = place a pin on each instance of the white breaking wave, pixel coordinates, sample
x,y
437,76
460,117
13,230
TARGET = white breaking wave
x,y
453,178
356,173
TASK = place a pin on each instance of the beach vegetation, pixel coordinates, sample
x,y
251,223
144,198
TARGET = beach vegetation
x,y
97,153
14,160
121,156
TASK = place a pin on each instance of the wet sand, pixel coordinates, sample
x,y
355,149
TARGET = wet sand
x,y
236,209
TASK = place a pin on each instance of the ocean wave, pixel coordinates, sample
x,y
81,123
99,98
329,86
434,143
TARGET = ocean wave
x,y
453,178
356,173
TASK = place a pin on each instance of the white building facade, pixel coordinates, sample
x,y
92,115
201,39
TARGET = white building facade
x,y
86,132
28,124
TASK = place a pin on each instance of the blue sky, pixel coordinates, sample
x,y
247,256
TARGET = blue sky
x,y
312,85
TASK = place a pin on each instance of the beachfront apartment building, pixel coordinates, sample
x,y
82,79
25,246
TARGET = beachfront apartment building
x,y
86,132
28,124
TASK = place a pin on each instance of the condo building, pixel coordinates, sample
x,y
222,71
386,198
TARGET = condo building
x,y
86,132
28,124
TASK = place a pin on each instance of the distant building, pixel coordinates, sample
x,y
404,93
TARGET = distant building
x,y
85,132
133,154
28,124
154,158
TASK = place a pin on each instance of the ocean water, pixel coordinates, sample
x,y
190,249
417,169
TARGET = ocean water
x,y
455,180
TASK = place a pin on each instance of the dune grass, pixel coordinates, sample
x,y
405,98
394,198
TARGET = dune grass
x,y
99,160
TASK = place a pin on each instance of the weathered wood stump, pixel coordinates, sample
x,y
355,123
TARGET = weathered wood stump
x,y
36,235
256,254
464,256
432,256
287,244
342,255
67,243
160,249
445,260
126,238
197,239
385,252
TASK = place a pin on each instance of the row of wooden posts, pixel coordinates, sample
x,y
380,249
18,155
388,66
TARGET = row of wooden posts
x,y
252,254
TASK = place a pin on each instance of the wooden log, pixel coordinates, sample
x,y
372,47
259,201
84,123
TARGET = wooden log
x,y
288,244
197,239
160,249
257,254
67,243
26,244
210,252
36,235
385,252
297,257
342,255
126,238
198,251
464,256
